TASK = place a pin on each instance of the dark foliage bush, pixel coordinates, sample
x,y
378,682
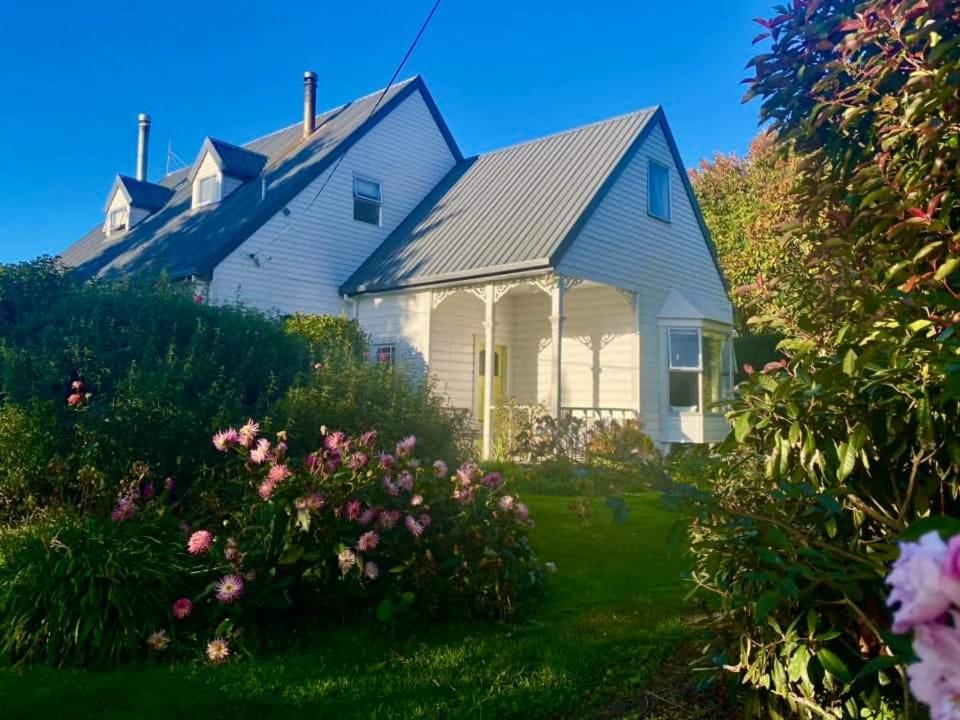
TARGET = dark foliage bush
x,y
329,335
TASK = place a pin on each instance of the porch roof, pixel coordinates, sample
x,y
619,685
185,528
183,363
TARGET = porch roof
x,y
507,211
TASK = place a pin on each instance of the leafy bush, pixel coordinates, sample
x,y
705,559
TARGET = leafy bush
x,y
852,438
96,376
87,591
329,335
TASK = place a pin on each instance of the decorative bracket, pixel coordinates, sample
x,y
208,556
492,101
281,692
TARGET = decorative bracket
x,y
629,296
442,294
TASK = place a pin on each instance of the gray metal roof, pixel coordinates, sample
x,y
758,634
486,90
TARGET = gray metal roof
x,y
185,242
506,211
146,195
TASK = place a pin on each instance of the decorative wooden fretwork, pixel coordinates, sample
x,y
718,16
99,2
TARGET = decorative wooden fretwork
x,y
442,294
629,295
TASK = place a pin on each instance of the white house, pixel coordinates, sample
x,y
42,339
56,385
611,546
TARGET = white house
x,y
581,258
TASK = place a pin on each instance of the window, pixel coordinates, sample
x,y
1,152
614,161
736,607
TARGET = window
x,y
658,191
208,190
384,354
367,198
117,220
717,370
684,353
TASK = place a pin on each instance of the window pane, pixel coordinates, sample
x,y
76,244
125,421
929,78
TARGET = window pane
x,y
384,354
712,370
366,189
684,393
685,349
658,188
366,211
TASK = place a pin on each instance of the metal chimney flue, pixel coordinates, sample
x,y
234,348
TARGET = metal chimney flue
x,y
309,103
143,145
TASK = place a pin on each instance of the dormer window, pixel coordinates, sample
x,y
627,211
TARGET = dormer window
x,y
208,190
367,198
117,220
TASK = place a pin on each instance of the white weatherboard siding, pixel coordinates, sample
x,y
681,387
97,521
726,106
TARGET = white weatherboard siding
x,y
623,246
118,201
305,257
400,319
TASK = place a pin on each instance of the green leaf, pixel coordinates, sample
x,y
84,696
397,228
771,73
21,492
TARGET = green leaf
x,y
832,663
765,603
385,610
849,452
407,598
742,426
947,268
797,668
875,665
850,362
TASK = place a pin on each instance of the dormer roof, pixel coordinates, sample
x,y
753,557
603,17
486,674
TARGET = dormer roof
x,y
139,194
231,160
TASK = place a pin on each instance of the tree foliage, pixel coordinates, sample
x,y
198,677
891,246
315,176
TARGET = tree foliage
x,y
746,201
851,442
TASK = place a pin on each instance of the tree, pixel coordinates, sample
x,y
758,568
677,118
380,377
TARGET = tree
x,y
851,443
746,201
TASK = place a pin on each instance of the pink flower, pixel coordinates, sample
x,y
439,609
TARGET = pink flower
x,y
198,298
464,496
182,608
357,461
425,520
248,433
415,528
346,559
354,510
278,473
492,481
389,519
506,502
368,516
199,542
314,502
266,488
261,453
934,679
335,441
951,561
218,650
387,461
225,438
523,512
468,473
368,541
169,484
77,386
125,509
416,500
74,399
370,570
369,438
391,487
406,481
229,588
921,589
231,552
406,446
441,469
147,491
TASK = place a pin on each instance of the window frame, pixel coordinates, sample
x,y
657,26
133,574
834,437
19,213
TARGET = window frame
x,y
694,370
651,163
726,380
359,197
112,225
215,182
391,347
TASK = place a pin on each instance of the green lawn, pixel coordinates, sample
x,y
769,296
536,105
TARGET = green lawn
x,y
612,616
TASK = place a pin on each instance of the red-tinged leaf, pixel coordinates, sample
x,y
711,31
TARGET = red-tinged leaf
x,y
774,366
918,213
841,217
848,25
812,8
761,36
748,81
934,205
761,21
780,20
748,369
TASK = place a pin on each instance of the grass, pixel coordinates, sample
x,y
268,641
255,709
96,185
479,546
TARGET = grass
x,y
610,621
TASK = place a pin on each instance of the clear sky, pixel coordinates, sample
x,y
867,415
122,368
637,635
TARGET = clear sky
x,y
74,75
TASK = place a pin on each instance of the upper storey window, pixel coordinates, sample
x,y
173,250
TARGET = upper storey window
x,y
117,220
208,190
367,200
658,191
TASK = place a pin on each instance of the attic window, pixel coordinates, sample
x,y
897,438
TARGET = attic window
x,y
658,191
117,220
367,198
208,190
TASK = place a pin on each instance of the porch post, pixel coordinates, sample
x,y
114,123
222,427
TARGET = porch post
x,y
490,350
556,341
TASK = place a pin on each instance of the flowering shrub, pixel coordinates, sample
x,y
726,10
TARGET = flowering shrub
x,y
925,595
349,527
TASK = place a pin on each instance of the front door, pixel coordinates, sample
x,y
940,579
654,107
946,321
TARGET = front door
x,y
499,377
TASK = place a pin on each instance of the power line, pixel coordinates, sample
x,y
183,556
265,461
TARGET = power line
x,y
376,105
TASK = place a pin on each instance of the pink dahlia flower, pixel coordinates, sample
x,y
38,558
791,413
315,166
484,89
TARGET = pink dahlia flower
x,y
441,469
416,529
314,502
506,503
492,481
389,519
387,461
391,487
523,512
126,508
921,589
248,433
368,516
369,438
416,500
266,488
182,608
346,559
335,441
169,485
406,481
468,473
357,461
218,650
353,510
368,541
425,520
370,570
951,561
229,588
406,446
225,438
199,542
261,453
278,473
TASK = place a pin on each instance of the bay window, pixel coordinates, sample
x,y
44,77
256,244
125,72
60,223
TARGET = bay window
x,y
700,369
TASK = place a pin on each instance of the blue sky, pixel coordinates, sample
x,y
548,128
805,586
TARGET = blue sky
x,y
73,77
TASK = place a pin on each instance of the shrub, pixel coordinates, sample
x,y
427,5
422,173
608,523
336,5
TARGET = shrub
x,y
329,335
346,528
87,590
